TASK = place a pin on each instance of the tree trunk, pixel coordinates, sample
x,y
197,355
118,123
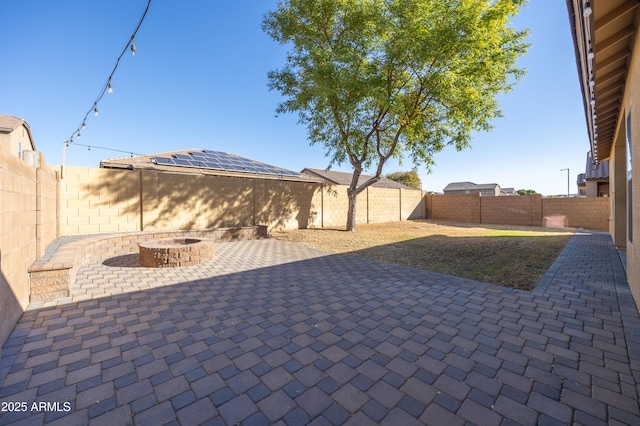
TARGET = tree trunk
x,y
351,212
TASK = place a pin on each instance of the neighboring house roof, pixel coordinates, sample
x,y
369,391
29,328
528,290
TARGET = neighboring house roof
x,y
596,170
468,186
582,179
344,178
508,191
146,162
9,123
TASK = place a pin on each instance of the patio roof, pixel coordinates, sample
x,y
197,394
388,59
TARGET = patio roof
x,y
603,33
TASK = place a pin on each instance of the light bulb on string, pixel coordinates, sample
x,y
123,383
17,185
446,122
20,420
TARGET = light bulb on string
x,y
108,89
84,125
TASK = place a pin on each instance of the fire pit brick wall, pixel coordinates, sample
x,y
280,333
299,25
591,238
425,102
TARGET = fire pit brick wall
x,y
69,257
172,253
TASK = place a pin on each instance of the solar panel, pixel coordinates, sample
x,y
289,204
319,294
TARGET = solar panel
x,y
218,160
161,160
182,156
213,165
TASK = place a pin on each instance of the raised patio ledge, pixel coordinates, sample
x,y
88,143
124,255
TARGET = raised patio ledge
x,y
53,278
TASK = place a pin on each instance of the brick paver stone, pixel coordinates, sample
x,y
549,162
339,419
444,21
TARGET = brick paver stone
x,y
274,333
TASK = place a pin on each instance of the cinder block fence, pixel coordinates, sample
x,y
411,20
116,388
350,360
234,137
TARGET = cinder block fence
x,y
526,210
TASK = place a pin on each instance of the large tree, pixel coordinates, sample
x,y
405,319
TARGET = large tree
x,y
410,178
380,79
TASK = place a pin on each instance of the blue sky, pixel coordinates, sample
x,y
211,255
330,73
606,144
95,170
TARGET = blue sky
x,y
198,80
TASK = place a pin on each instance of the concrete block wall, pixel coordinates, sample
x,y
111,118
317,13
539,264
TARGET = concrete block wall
x,y
589,213
335,204
17,238
283,204
412,204
383,205
374,205
98,201
191,201
524,210
463,208
47,228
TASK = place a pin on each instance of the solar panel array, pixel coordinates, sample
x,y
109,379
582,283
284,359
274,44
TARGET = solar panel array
x,y
217,160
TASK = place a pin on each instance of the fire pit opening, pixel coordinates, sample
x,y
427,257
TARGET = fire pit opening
x,y
174,252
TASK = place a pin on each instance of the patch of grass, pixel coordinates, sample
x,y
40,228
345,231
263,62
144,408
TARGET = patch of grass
x,y
510,256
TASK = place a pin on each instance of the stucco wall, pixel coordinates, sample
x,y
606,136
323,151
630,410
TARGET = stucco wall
x,y
16,141
631,104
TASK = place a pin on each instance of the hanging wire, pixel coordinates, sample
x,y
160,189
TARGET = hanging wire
x,y
108,88
106,148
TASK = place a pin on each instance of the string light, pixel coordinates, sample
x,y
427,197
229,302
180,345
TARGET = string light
x,y
107,88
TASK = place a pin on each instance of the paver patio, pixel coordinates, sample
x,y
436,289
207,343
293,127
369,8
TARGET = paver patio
x,y
274,333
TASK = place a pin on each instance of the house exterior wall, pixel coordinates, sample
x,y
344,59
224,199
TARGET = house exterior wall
x,y
486,192
631,110
596,188
16,142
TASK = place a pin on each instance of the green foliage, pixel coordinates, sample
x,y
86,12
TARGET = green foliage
x,y
410,178
376,79
526,192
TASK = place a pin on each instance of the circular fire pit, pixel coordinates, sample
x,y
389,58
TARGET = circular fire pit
x,y
174,252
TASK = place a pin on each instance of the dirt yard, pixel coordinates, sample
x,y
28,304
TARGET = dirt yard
x,y
510,256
